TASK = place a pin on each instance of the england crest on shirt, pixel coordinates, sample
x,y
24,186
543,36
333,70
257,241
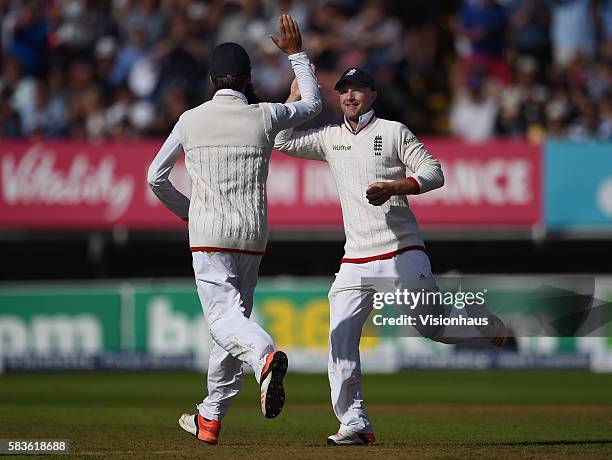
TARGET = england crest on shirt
x,y
378,145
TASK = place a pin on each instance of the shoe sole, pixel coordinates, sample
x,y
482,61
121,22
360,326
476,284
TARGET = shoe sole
x,y
364,442
273,384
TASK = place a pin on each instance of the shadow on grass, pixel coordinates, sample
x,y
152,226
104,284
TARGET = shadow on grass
x,y
565,442
560,442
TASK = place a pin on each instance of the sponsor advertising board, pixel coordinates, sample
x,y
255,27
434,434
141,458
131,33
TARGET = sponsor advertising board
x,y
148,325
578,185
78,185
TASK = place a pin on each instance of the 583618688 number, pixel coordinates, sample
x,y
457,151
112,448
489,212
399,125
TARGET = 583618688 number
x,y
34,446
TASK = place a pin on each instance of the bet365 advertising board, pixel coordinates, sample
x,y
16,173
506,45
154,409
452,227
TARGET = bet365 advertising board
x,y
160,325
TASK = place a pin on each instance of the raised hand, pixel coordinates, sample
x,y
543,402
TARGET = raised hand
x,y
290,40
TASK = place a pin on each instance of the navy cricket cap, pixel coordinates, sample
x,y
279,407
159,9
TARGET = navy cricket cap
x,y
358,76
229,59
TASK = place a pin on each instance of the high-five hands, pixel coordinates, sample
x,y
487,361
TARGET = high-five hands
x,y
290,40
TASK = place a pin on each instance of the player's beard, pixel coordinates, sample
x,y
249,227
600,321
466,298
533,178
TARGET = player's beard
x,y
249,92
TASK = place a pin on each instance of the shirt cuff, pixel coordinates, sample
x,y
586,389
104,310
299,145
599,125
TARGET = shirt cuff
x,y
297,56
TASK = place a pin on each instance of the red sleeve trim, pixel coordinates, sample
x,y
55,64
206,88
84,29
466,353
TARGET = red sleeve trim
x,y
387,255
416,184
214,249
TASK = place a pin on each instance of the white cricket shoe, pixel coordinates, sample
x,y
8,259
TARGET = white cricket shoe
x,y
203,429
351,439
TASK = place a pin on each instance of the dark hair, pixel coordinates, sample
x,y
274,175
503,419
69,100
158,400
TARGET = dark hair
x,y
249,92
238,83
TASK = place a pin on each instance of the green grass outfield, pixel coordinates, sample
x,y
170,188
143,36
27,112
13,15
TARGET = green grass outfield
x,y
416,415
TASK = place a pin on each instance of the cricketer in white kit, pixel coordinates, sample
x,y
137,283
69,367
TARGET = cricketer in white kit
x,y
227,143
375,163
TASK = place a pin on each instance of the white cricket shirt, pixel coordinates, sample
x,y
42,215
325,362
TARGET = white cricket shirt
x,y
227,145
377,151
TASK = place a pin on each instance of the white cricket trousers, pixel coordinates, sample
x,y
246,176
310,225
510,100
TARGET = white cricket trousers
x,y
226,282
351,302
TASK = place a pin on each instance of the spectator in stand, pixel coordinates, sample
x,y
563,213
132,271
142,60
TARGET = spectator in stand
x,y
78,24
297,9
327,35
599,78
93,111
423,73
522,104
117,115
81,86
28,40
145,15
556,116
378,32
474,111
201,18
604,128
173,103
392,101
271,84
557,108
577,73
10,122
182,59
483,24
104,55
57,105
244,24
606,20
572,30
142,117
50,115
529,30
129,56
22,90
125,57
584,125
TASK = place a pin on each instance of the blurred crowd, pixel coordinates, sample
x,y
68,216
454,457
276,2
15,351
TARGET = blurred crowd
x,y
122,69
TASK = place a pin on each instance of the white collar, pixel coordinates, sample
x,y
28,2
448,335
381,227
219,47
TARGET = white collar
x,y
363,121
231,92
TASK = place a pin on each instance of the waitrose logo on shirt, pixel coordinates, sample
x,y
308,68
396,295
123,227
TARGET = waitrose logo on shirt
x,y
341,147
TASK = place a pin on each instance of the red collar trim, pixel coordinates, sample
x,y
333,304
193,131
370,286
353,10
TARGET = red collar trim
x,y
350,130
230,93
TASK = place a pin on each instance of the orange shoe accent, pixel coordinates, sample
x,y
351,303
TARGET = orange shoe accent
x,y
264,371
208,430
